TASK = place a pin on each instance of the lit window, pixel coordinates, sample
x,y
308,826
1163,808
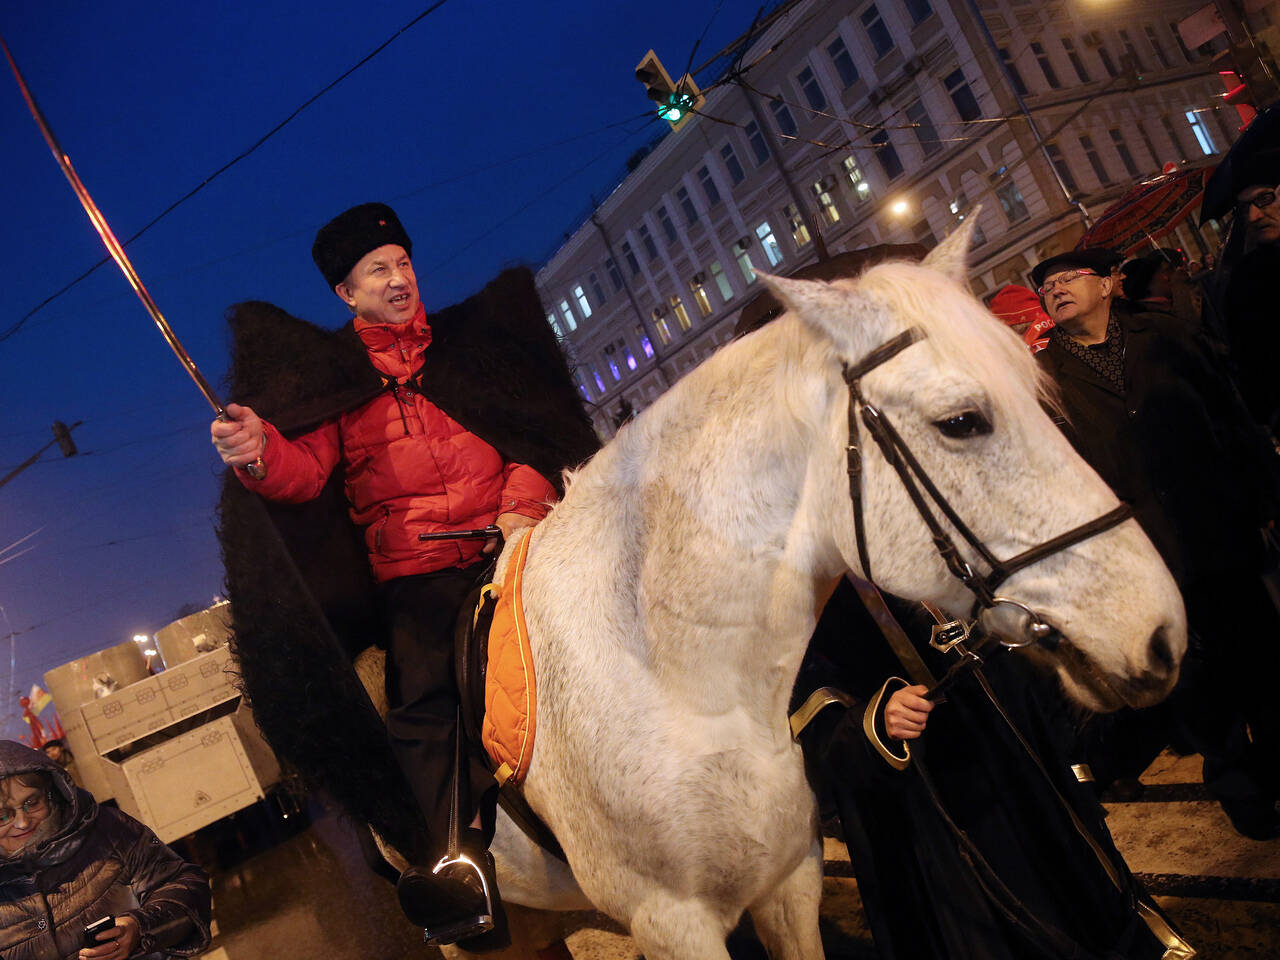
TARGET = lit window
x,y
569,321
595,375
822,191
1015,208
1076,63
610,360
629,255
1203,136
1095,161
700,294
615,276
708,186
887,155
861,189
596,288
646,241
742,253
1060,164
731,164
922,126
1046,67
643,337
668,227
812,89
799,231
919,10
682,315
686,204
581,296
782,116
758,145
555,327
660,324
770,243
1122,148
841,60
966,103
877,32
960,209
582,385
722,282
628,357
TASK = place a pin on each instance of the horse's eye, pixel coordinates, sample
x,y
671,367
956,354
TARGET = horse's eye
x,y
971,423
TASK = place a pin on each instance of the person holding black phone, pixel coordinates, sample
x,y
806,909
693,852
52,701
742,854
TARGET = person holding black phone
x,y
79,880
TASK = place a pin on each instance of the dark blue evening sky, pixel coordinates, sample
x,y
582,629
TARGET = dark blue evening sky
x,y
148,99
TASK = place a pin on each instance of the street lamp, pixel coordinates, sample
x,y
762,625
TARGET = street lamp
x,y
899,207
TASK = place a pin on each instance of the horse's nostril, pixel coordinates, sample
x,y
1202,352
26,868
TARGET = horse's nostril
x,y
1161,653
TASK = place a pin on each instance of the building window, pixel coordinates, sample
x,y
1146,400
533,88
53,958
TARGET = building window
x,y
812,89
966,103
596,288
722,282
1042,58
1186,54
1095,161
770,243
887,155
642,337
1122,148
1130,50
618,355
555,327
1156,46
1060,164
646,240
1010,197
566,311
919,10
1015,77
841,60
1172,135
742,253
959,207
1147,142
581,296
682,315
1203,136
922,234
826,203
615,275
756,138
595,376
611,361
799,232
1074,56
877,32
582,384
686,204
923,128
731,164
668,227
708,186
629,255
1109,65
699,290
783,118
660,324
861,189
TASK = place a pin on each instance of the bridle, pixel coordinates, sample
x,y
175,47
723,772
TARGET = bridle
x,y
917,483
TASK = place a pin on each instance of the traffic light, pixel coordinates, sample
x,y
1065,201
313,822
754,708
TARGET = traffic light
x,y
676,101
62,433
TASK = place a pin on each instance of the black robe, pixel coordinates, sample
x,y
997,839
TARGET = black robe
x,y
298,577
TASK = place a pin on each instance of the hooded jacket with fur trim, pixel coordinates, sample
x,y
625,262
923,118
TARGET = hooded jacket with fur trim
x,y
98,862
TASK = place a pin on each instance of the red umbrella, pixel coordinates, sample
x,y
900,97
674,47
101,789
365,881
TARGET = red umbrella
x,y
1147,212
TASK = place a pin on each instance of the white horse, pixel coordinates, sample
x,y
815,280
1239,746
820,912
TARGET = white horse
x,y
672,592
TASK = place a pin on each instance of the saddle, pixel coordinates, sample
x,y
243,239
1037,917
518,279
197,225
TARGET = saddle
x,y
498,691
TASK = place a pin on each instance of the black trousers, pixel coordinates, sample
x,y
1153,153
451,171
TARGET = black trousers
x,y
422,691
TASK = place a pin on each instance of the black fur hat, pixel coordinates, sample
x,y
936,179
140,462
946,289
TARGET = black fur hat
x,y
346,238
1098,259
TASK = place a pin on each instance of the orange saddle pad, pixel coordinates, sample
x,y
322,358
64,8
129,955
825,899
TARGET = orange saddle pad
x,y
510,690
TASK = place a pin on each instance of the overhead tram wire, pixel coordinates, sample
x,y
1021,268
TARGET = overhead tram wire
x,y
229,164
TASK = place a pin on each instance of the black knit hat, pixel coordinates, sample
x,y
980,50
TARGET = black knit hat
x,y
1098,259
346,238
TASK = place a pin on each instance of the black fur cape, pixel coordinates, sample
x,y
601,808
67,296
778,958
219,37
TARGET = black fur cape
x,y
298,577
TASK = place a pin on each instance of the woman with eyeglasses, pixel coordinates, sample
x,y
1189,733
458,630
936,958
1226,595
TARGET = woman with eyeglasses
x,y
66,863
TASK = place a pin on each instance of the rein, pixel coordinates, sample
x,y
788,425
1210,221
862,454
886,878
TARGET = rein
x,y
921,489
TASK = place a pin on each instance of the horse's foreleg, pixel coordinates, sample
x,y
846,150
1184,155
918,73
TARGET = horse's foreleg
x,y
786,920
665,928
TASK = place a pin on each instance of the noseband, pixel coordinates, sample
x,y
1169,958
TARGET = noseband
x,y
918,483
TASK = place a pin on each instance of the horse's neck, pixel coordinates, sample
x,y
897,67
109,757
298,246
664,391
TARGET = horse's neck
x,y
711,498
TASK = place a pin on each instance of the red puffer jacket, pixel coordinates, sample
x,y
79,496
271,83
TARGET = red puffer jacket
x,y
410,468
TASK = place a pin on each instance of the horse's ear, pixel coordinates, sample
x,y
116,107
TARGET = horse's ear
x,y
951,256
821,305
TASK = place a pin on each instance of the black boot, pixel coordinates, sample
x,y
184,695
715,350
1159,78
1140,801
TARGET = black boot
x,y
457,899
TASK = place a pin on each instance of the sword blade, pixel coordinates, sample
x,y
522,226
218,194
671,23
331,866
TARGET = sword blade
x,y
113,245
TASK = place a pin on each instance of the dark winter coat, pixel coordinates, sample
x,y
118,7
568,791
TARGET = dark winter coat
x,y
1252,315
100,862
302,594
1176,444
